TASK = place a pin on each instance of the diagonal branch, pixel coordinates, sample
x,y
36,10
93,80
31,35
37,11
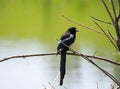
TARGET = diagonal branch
x,y
101,20
106,35
106,7
113,8
118,17
86,58
92,29
107,73
111,36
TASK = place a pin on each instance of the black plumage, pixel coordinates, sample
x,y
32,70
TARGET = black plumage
x,y
66,40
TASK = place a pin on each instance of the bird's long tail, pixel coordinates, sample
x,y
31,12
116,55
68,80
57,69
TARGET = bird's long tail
x,y
62,66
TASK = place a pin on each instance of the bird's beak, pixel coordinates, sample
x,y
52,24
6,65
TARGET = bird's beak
x,y
77,30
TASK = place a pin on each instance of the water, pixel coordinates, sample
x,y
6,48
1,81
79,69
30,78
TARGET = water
x,y
43,72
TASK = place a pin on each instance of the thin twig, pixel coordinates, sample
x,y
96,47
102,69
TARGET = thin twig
x,y
107,73
100,58
92,29
25,56
111,36
52,87
101,20
118,17
106,7
97,85
113,8
106,35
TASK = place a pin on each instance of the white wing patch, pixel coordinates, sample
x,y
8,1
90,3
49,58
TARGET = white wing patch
x,y
71,36
59,41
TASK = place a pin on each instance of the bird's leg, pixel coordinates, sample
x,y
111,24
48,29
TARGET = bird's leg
x,y
69,48
73,52
58,52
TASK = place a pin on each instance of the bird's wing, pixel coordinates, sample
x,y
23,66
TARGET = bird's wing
x,y
65,35
66,39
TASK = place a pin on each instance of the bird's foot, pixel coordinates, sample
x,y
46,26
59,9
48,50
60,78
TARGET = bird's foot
x,y
74,52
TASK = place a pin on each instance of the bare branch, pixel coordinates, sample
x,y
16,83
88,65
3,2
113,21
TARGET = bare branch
x,y
54,53
101,58
106,7
101,20
81,25
111,36
97,85
25,56
92,29
107,73
106,35
113,8
119,10
114,21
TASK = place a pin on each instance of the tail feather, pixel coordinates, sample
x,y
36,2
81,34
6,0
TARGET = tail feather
x,y
62,66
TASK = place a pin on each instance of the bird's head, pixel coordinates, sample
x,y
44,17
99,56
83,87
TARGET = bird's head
x,y
72,30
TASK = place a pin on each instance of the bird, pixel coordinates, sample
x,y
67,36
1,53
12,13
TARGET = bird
x,y
66,41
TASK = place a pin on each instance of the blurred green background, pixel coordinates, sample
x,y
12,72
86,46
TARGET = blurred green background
x,y
42,20
39,18
32,26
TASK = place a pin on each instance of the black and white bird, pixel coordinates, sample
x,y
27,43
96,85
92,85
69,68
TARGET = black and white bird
x,y
66,40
